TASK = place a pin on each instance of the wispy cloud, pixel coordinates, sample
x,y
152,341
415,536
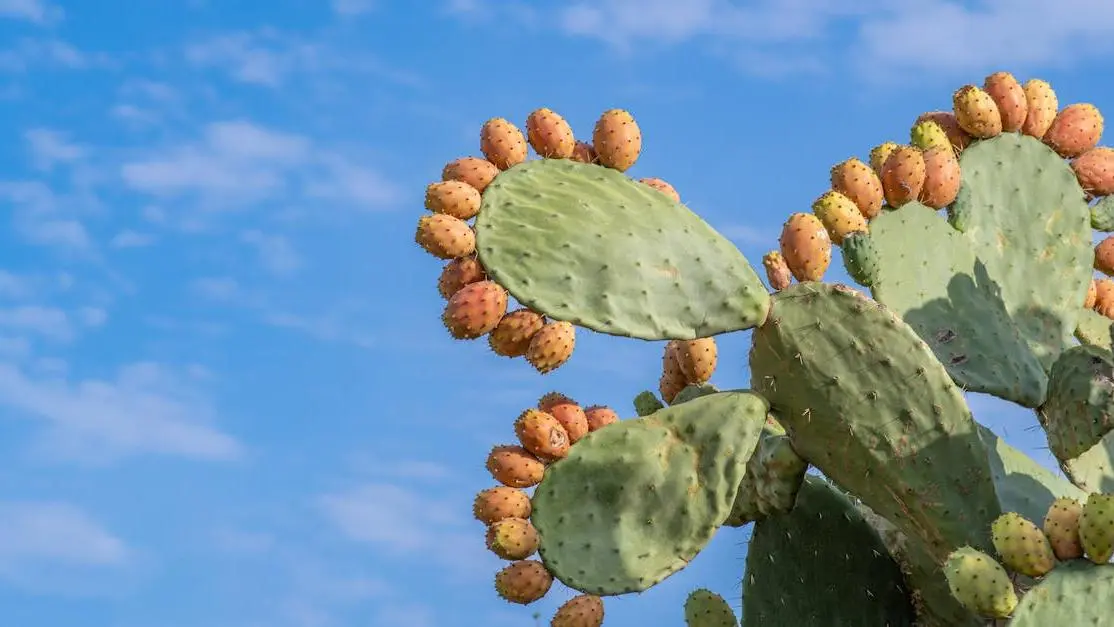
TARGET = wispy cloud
x,y
351,8
36,11
276,253
49,53
49,147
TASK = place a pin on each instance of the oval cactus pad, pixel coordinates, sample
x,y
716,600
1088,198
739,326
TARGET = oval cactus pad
x,y
1074,593
588,245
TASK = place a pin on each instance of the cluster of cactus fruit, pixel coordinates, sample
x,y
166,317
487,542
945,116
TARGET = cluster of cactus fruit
x,y
975,241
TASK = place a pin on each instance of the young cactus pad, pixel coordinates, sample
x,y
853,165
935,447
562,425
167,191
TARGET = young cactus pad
x,y
1074,594
1078,417
586,244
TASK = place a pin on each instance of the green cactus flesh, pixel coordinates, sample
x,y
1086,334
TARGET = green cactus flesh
x,y
861,258
1023,485
822,565
647,403
704,608
931,277
1079,411
1102,215
1022,208
1074,594
588,245
774,474
690,392
1093,469
1093,328
633,503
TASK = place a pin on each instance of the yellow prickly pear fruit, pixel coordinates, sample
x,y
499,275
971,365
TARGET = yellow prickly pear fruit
x,y
928,134
1042,104
514,466
879,154
1075,130
523,582
1009,96
475,310
946,119
806,247
458,273
550,134
551,346
941,177
1022,546
777,272
1092,296
599,417
502,143
1095,171
512,538
584,610
662,187
903,176
857,181
976,112
617,139
1061,527
499,503
444,236
1096,527
511,337
584,153
1104,256
672,379
839,214
1104,297
479,173
979,583
697,359
453,198
572,417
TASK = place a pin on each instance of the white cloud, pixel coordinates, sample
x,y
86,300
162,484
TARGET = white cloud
x,y
36,11
351,8
132,239
54,531
30,54
50,147
41,217
49,322
391,518
276,253
93,316
335,326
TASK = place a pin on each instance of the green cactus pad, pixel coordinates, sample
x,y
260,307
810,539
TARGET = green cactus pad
x,y
1093,470
774,474
1079,411
861,258
822,565
704,608
1093,328
635,502
690,392
1075,593
1102,215
1021,207
1023,485
932,279
588,245
647,403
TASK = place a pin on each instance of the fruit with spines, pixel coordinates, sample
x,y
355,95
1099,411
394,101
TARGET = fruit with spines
x,y
550,134
839,215
479,173
617,139
458,273
946,119
549,400
499,503
511,336
551,346
1104,297
857,181
980,583
444,236
583,610
584,153
1092,296
1009,97
572,417
861,258
502,143
927,134
453,198
1061,527
806,247
941,177
523,582
976,112
1022,546
672,379
512,538
599,416
542,434
903,175
1104,256
1076,129
1042,104
1094,169
662,187
475,310
777,273
1096,527
697,359
514,466
704,608
878,156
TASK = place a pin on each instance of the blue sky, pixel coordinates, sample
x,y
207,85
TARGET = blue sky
x,y
226,399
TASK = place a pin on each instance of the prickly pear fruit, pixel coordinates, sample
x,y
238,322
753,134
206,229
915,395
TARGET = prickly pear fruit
x,y
458,273
479,173
585,610
903,175
1104,297
1022,546
672,377
1061,526
697,359
572,417
928,134
704,608
1095,171
806,247
1076,129
861,258
855,180
839,215
511,337
584,153
514,466
941,177
777,273
976,112
551,346
549,400
444,236
523,582
550,134
1092,296
878,156
542,435
1096,527
645,403
617,140
979,583
599,417
502,143
453,198
662,187
475,309
947,121
499,503
1104,256
1009,96
512,538
1042,105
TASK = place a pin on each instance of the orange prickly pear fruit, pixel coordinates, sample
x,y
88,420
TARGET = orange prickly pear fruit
x,y
839,214
498,503
512,538
514,466
903,176
551,399
444,236
550,135
1104,256
599,417
1076,129
1104,297
672,377
617,139
1095,171
976,112
542,435
511,337
857,181
806,247
502,143
1009,96
777,273
572,417
551,346
584,153
523,582
1092,296
478,173
697,359
453,198
1042,106
662,187
475,310
584,610
458,273
941,177
1061,526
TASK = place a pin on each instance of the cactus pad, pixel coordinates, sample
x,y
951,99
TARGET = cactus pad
x,y
587,245
635,502
1093,329
1102,215
1074,593
1080,406
1023,485
774,474
704,608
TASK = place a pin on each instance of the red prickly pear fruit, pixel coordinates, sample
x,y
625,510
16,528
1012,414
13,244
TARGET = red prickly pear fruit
x,y
839,215
1092,296
584,153
946,119
599,416
585,610
572,417
499,503
878,156
542,435
662,187
1009,96
551,399
926,134
514,466
453,198
1095,171
697,359
523,582
1104,256
475,310
511,337
1076,129
857,181
806,247
551,346
1042,104
1104,297
502,143
478,173
617,140
549,134
1061,526
444,236
512,539
976,112
777,273
903,176
458,273
941,177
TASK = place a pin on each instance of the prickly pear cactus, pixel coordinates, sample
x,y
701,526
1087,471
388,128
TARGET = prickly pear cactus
x,y
974,241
